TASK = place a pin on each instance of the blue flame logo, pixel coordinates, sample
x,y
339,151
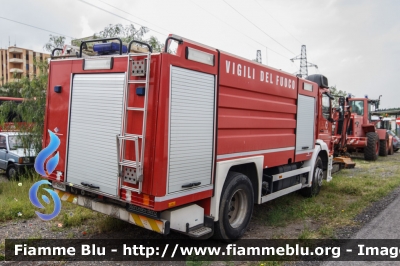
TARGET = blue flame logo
x,y
40,169
35,201
45,153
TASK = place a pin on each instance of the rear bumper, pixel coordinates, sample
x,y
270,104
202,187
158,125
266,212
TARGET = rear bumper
x,y
157,225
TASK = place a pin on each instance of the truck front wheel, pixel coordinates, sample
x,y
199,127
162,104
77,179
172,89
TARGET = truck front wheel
x,y
372,149
316,183
236,207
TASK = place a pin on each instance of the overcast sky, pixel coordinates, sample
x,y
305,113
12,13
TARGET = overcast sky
x,y
355,43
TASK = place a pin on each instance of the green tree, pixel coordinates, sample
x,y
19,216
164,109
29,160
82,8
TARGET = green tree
x,y
128,33
32,109
336,93
54,42
155,44
11,89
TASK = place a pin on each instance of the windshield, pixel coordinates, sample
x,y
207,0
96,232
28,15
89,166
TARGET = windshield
x,y
357,107
15,142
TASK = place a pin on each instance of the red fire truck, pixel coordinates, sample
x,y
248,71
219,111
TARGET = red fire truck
x,y
186,141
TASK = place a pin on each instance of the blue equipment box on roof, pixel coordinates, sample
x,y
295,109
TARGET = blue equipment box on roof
x,y
108,48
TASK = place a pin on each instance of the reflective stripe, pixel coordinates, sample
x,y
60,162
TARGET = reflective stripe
x,y
137,220
154,225
64,196
239,154
307,151
118,212
147,223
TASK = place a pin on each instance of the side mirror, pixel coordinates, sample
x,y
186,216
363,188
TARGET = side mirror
x,y
341,101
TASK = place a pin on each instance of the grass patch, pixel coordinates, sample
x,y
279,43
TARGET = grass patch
x,y
108,223
339,201
15,203
73,215
14,199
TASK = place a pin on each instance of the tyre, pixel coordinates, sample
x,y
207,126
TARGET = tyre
x,y
391,149
236,207
11,171
384,146
316,181
372,149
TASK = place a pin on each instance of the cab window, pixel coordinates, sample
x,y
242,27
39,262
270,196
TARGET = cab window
x,y
357,107
3,144
326,106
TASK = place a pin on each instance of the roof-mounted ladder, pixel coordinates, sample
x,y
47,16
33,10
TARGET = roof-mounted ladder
x,y
131,171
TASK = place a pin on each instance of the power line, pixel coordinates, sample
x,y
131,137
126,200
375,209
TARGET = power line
x,y
118,16
132,15
277,21
225,23
240,31
257,26
37,27
160,27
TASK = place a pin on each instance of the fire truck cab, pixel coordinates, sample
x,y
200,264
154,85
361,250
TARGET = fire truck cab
x,y
186,141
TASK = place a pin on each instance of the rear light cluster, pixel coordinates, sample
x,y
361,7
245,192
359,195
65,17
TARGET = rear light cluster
x,y
138,199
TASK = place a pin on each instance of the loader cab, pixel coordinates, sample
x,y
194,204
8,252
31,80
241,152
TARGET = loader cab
x,y
361,111
364,107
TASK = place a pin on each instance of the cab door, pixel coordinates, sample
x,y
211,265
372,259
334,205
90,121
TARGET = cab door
x,y
324,125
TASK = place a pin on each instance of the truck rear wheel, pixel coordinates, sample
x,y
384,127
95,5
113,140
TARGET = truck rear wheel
x,y
372,149
384,146
236,207
316,181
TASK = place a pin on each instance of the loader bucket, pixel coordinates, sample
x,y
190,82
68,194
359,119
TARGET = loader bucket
x,y
348,163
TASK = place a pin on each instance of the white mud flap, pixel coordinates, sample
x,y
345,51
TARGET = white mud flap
x,y
329,169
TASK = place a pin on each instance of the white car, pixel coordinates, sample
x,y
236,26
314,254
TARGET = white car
x,y
13,157
396,140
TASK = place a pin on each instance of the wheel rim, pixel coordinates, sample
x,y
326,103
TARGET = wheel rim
x,y
377,148
319,175
12,172
237,208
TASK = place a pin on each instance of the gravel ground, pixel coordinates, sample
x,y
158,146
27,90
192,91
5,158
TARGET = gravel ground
x,y
363,218
36,228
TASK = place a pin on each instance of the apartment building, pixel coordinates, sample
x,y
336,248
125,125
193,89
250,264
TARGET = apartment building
x,y
17,62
